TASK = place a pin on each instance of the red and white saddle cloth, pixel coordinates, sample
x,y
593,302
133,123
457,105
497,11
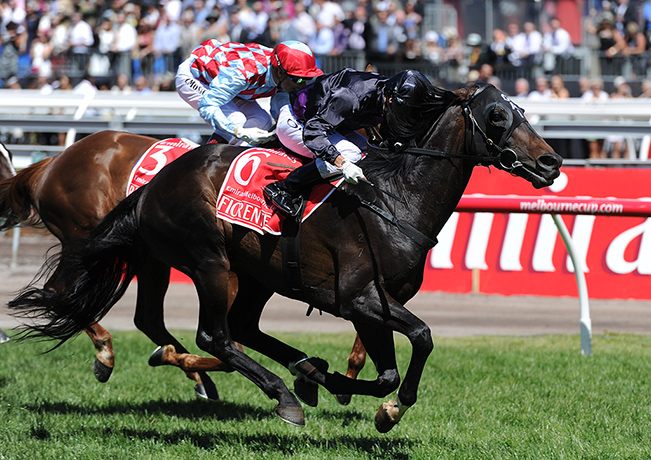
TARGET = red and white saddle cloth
x,y
241,200
156,158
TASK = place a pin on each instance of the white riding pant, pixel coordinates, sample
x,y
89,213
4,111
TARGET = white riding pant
x,y
245,113
290,134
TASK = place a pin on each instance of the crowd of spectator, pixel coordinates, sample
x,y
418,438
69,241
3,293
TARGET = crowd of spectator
x,y
45,40
107,38
135,46
591,91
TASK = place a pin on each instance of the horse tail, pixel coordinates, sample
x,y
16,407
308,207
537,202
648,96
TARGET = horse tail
x,y
17,196
93,275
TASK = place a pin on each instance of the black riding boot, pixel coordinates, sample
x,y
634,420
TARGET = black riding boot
x,y
286,193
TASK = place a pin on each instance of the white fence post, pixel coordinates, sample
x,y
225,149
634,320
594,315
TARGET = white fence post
x,y
585,321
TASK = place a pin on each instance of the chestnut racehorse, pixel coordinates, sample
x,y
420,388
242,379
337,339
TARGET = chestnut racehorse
x,y
70,194
362,253
6,171
6,163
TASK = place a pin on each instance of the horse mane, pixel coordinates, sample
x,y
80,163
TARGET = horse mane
x,y
412,121
411,118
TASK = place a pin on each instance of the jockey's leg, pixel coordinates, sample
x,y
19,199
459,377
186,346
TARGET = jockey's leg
x,y
286,193
290,132
245,114
255,115
192,91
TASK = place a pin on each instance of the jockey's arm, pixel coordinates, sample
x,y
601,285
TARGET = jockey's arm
x,y
315,135
227,85
290,131
333,112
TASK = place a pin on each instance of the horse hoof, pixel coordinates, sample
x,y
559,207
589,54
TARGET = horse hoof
x,y
291,415
102,371
385,417
344,400
206,389
157,358
206,392
307,391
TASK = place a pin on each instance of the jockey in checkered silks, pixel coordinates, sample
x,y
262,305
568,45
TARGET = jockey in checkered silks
x,y
223,81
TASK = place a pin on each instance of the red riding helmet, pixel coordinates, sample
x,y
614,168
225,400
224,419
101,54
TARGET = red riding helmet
x,y
295,59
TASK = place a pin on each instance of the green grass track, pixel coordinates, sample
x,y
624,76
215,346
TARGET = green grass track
x,y
480,398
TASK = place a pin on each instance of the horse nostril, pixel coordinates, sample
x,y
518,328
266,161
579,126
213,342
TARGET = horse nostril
x,y
550,160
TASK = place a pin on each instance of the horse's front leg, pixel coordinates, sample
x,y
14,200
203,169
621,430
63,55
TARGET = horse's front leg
x,y
167,355
376,315
401,320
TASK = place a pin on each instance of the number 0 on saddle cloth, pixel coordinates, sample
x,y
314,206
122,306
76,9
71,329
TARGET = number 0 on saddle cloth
x,y
241,200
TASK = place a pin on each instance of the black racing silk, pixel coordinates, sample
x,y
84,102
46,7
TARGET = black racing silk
x,y
344,101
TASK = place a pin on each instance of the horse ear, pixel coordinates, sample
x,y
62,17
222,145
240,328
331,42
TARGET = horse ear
x,y
369,68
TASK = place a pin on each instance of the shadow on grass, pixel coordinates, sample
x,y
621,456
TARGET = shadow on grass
x,y
344,416
286,444
301,441
220,410
190,409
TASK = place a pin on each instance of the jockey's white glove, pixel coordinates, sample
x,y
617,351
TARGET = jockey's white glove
x,y
352,173
253,136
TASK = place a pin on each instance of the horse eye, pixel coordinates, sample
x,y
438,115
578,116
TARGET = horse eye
x,y
497,115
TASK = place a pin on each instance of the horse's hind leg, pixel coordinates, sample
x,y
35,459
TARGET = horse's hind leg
x,y
102,339
356,362
105,358
244,323
214,337
153,281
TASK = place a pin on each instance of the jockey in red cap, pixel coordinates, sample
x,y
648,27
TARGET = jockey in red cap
x,y
223,80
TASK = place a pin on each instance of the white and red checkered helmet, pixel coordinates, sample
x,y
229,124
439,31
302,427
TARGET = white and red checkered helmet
x,y
296,59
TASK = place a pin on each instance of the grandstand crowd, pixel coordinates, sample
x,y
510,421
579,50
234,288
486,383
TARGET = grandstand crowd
x,y
136,46
139,44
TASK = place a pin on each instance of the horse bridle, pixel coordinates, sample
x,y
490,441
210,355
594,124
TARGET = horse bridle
x,y
504,158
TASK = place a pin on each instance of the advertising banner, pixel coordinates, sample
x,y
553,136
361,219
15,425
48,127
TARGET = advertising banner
x,y
523,253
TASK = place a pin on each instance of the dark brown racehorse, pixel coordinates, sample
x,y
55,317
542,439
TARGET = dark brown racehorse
x,y
70,194
362,253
